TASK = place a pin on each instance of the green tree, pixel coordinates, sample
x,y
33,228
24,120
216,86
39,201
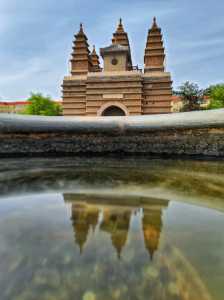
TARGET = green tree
x,y
191,95
217,96
208,90
41,105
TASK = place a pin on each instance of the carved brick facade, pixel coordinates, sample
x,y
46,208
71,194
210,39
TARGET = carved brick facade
x,y
119,88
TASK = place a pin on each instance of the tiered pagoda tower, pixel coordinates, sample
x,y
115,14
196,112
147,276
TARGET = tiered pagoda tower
x,y
118,88
74,86
154,51
157,84
81,60
95,61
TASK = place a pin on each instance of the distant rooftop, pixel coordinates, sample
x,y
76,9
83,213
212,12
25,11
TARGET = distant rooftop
x,y
19,102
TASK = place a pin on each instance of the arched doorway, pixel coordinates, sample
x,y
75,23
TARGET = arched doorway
x,y
113,111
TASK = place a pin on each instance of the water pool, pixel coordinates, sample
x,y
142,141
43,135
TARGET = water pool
x,y
97,229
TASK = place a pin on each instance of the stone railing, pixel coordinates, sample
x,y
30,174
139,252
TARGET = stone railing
x,y
193,133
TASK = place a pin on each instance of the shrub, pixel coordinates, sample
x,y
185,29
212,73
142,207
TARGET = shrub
x,y
41,105
217,96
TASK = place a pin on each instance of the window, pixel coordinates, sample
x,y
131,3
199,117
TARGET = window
x,y
114,61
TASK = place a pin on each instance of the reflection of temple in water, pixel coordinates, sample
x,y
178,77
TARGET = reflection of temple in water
x,y
116,223
83,219
152,227
116,220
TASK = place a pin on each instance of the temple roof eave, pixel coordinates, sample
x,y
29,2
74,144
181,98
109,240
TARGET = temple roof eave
x,y
114,48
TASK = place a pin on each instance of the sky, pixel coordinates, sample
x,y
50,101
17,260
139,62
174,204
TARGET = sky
x,y
36,39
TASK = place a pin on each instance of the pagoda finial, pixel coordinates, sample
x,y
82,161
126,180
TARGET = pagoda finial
x,y
81,28
94,50
120,27
154,25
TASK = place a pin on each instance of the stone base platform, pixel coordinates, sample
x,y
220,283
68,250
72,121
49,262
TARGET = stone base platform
x,y
193,133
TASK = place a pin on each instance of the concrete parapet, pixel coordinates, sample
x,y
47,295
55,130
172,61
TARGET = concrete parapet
x,y
193,133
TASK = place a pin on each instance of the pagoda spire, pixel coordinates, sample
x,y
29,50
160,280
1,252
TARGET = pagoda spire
x,y
81,61
120,37
154,24
81,29
154,52
95,61
120,27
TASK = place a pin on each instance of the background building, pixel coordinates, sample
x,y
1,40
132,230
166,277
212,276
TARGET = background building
x,y
12,107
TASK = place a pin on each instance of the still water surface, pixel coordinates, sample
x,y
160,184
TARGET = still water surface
x,y
111,229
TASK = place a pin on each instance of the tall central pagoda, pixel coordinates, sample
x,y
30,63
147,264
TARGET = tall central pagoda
x,y
119,88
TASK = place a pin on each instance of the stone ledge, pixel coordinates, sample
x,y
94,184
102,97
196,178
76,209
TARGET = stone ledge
x,y
191,142
132,124
194,133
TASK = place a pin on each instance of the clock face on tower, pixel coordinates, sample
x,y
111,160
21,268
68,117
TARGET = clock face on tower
x,y
114,61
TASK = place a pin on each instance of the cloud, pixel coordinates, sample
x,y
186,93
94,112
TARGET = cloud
x,y
36,38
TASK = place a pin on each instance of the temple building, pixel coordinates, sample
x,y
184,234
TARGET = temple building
x,y
119,88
